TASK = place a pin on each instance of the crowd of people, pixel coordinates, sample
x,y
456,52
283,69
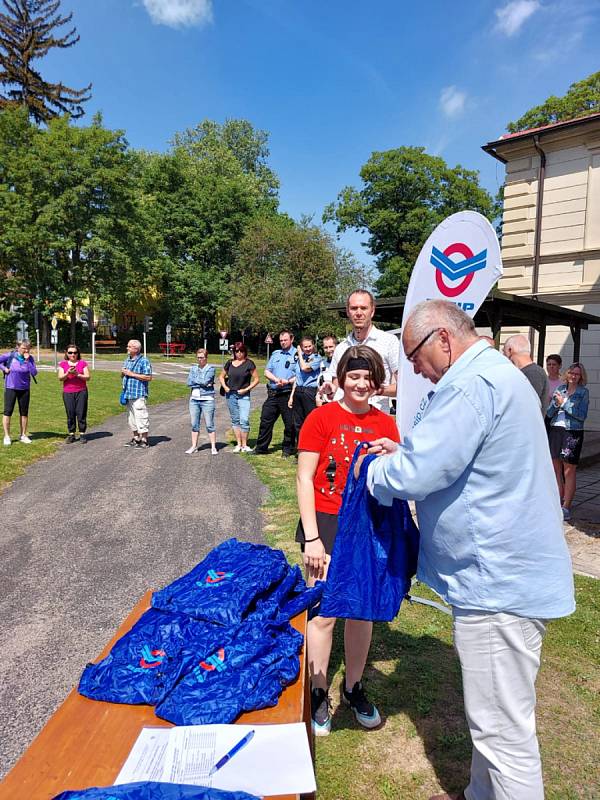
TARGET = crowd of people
x,y
492,477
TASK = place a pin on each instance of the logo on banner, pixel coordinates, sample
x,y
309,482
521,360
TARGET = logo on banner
x,y
446,267
149,660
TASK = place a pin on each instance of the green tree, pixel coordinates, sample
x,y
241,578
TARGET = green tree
x,y
581,99
75,227
204,192
287,273
28,33
405,194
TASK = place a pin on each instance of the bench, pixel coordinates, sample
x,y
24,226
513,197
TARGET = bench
x,y
85,742
106,344
172,348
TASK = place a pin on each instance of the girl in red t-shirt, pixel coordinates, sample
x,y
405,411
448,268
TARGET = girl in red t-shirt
x,y
327,442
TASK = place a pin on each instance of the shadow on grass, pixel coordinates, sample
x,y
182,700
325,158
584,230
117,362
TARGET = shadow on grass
x,y
48,435
424,686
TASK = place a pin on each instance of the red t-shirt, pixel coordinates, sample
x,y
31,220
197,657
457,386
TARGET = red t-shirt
x,y
334,434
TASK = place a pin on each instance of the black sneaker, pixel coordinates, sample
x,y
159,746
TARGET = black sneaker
x,y
365,712
70,438
83,438
319,712
133,442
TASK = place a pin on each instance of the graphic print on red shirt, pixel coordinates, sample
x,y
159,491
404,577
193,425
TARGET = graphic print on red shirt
x,y
335,433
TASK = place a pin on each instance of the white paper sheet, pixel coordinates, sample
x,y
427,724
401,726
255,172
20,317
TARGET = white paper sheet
x,y
276,761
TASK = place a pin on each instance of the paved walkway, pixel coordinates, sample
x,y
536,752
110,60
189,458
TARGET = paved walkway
x,y
583,531
87,532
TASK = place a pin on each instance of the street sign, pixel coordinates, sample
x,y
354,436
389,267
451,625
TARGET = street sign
x,y
268,339
168,337
168,329
223,344
54,322
223,334
53,337
22,327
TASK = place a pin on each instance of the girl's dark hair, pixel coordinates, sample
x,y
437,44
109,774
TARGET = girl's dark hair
x,y
555,357
373,359
73,347
240,346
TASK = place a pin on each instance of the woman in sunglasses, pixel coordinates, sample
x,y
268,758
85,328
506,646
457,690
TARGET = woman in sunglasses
x,y
567,413
74,375
238,378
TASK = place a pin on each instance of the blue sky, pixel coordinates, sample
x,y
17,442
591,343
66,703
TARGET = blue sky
x,y
331,81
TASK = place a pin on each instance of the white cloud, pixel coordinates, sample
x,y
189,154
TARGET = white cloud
x,y
452,101
511,17
179,13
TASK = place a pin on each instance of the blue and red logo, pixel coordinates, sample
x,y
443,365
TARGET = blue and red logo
x,y
213,663
214,577
151,658
446,267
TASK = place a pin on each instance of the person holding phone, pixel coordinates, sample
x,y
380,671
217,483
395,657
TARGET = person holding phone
x,y
74,375
567,413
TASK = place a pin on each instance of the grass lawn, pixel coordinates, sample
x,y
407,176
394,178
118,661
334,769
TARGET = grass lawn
x,y
48,422
413,676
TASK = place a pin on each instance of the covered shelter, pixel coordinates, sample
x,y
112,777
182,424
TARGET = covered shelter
x,y
502,310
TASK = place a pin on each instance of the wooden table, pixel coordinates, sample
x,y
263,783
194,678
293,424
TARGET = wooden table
x,y
85,742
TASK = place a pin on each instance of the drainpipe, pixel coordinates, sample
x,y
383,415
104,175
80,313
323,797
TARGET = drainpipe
x,y
538,219
537,241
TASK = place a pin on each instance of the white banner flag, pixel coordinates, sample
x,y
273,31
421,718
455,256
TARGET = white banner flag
x,y
460,262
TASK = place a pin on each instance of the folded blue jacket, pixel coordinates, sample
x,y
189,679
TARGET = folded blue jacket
x,y
223,586
151,790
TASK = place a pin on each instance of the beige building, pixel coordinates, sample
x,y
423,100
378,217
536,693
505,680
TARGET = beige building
x,y
551,230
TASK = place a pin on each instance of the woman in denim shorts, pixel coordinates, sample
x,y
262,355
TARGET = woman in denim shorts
x,y
202,400
567,413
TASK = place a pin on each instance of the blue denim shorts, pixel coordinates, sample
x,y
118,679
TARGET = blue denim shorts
x,y
202,408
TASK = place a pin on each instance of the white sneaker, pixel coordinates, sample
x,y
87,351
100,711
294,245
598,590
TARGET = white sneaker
x,y
237,449
246,449
24,438
190,450
7,441
214,452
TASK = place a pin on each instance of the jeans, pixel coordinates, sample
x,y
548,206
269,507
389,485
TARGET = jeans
x,y
202,408
500,657
239,409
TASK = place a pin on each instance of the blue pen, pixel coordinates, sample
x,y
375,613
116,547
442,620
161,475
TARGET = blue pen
x,y
235,749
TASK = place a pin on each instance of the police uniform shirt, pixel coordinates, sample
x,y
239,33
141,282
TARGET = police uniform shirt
x,y
282,365
309,379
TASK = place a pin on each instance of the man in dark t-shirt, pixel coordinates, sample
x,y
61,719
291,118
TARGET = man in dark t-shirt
x,y
518,350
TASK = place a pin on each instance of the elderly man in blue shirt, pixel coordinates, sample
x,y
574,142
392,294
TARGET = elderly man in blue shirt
x,y
492,542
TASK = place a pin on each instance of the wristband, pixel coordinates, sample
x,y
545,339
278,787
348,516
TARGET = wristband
x,y
311,540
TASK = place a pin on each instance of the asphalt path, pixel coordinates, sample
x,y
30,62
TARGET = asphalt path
x,y
87,532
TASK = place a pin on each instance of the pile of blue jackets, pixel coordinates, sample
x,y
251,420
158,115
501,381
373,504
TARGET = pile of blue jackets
x,y
216,642
151,790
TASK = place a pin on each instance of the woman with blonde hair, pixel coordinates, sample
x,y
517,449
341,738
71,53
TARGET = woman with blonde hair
x,y
567,413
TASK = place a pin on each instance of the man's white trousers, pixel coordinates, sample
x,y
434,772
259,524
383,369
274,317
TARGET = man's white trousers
x,y
500,657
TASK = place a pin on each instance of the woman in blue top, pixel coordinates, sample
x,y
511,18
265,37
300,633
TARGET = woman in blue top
x,y
202,400
567,413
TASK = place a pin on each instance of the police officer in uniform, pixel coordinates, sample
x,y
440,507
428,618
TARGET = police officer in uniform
x,y
279,373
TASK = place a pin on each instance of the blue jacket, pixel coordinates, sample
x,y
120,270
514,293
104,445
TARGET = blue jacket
x,y
210,670
575,407
153,791
202,378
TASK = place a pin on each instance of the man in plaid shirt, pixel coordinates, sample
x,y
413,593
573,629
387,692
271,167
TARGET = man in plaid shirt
x,y
137,373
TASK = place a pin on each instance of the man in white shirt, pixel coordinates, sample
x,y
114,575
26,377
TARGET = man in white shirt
x,y
360,309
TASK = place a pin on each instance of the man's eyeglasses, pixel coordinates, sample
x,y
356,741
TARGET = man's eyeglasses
x,y
411,356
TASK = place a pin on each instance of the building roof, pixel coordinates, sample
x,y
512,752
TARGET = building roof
x,y
491,147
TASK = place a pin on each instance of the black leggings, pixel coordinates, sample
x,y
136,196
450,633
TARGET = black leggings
x,y
76,404
12,396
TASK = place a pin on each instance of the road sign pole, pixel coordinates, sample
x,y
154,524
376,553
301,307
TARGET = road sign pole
x,y
268,349
93,349
37,344
55,355
144,335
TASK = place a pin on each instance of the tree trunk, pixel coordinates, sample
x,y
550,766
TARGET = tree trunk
x,y
45,332
73,321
